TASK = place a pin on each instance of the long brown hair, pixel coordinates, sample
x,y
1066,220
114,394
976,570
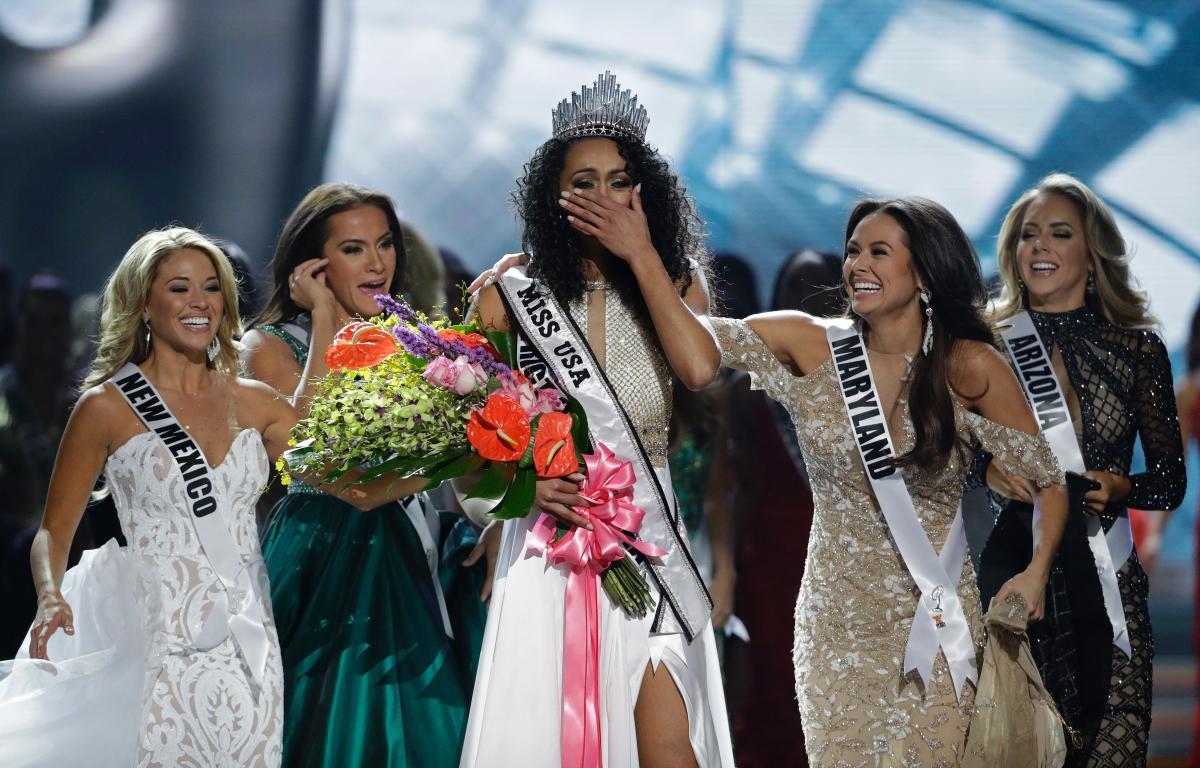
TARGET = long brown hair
x,y
303,237
944,258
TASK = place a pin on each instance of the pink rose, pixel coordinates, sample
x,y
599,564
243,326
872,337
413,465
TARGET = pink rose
x,y
549,400
531,401
459,376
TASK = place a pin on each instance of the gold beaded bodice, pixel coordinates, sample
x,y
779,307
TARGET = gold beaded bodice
x,y
636,367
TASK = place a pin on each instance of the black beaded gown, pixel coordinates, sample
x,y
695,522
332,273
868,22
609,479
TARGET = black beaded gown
x,y
1118,385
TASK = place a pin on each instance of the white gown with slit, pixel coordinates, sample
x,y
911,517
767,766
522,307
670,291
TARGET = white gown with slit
x,y
516,708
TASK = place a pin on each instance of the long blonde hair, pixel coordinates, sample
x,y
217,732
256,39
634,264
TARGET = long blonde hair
x,y
1117,296
123,334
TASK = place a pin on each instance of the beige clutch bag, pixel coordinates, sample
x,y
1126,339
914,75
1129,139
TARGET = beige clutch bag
x,y
1015,724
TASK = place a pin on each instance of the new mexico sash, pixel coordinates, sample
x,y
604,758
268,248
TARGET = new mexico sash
x,y
242,611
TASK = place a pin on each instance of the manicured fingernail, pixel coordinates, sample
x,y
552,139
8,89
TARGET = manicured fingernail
x,y
570,218
565,193
563,202
578,191
638,188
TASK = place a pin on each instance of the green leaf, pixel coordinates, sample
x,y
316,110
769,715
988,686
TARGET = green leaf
x,y
463,465
502,341
518,501
579,426
496,478
526,460
406,466
336,474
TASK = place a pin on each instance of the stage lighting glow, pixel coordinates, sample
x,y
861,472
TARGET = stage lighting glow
x,y
879,149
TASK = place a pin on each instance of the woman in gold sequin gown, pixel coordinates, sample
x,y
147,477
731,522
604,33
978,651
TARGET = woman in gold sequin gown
x,y
857,598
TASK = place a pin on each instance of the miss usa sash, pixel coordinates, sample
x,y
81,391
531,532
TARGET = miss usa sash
x,y
1036,374
242,612
939,621
551,349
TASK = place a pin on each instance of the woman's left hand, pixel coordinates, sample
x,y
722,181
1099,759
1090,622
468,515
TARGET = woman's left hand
x,y
489,547
621,229
1030,585
1113,488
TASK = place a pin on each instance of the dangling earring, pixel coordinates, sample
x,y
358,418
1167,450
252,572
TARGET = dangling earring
x,y
1091,282
927,342
214,349
146,321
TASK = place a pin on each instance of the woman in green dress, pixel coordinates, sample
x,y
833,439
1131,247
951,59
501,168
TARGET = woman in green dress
x,y
373,675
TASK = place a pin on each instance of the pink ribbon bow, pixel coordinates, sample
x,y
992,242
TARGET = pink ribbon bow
x,y
608,486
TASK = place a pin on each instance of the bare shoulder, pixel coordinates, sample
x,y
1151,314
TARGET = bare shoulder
x,y
490,310
268,358
976,368
100,402
101,415
256,340
255,394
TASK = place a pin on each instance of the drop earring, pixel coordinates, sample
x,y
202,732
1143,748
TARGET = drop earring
x,y
927,341
214,349
146,322
1091,282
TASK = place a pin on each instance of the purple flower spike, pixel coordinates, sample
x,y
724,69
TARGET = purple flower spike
x,y
404,313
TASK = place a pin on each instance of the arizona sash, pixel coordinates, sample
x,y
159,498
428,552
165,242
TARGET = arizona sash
x,y
242,612
1044,392
551,349
942,624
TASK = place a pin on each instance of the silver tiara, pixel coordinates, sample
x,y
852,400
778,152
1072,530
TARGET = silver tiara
x,y
603,110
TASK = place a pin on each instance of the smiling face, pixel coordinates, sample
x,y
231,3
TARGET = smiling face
x,y
597,166
361,249
185,304
1052,252
879,272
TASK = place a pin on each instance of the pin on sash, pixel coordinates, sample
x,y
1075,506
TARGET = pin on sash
x,y
936,597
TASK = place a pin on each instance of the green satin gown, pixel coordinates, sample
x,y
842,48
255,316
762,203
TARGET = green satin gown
x,y
370,676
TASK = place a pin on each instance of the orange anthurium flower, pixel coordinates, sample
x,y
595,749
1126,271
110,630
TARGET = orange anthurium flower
x,y
500,432
470,339
359,345
553,448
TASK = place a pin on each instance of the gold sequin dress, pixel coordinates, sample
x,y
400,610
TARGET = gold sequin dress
x,y
856,601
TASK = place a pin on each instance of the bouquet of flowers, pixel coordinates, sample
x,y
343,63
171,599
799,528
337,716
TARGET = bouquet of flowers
x,y
413,397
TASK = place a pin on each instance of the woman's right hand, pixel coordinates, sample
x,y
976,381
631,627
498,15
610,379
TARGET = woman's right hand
x,y
507,262
556,496
1008,486
307,285
53,613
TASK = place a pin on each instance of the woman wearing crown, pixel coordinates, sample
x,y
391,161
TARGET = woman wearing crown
x,y
604,311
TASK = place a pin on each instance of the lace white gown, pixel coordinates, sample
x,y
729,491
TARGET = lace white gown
x,y
130,687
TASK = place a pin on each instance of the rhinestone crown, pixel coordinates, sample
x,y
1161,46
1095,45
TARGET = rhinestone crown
x,y
602,110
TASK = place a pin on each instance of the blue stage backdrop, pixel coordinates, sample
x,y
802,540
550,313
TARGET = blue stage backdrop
x,y
781,113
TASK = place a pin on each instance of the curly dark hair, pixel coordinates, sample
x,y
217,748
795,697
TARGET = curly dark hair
x,y
675,227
